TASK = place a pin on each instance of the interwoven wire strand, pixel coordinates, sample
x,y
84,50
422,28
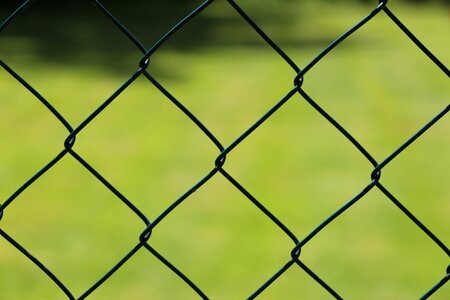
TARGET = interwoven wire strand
x,y
144,240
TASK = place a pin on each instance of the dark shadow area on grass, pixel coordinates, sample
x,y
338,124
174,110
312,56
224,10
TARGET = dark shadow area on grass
x,y
74,32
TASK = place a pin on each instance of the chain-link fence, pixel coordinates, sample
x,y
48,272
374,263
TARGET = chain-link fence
x,y
144,241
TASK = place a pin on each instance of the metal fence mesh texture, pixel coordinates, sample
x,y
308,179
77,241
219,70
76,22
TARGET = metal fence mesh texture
x,y
144,243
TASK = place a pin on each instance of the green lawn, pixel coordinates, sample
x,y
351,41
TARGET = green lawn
x,y
377,84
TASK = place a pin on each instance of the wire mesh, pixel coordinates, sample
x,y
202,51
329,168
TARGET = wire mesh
x,y
298,243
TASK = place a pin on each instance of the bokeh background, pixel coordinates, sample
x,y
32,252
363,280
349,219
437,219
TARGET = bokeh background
x,y
377,84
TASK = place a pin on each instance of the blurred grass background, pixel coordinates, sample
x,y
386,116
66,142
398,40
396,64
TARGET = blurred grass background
x,y
377,84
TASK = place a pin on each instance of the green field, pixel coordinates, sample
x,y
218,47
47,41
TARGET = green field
x,y
377,84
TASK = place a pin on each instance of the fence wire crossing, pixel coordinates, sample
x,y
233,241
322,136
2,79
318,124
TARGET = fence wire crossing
x,y
144,240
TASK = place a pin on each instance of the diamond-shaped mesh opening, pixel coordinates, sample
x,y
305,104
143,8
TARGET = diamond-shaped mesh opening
x,y
282,154
235,97
75,226
379,248
364,101
158,153
231,247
